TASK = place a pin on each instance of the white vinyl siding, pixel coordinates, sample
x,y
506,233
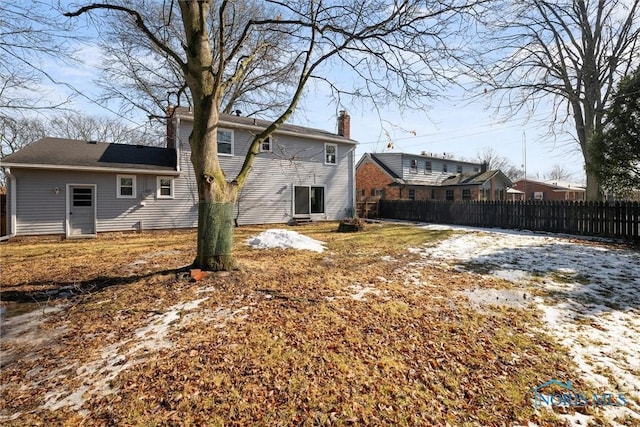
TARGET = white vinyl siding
x,y
126,186
41,211
435,170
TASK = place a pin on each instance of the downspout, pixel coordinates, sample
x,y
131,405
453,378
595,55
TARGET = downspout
x,y
178,152
12,215
352,152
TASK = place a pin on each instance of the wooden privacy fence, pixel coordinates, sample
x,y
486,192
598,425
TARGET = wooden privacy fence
x,y
618,220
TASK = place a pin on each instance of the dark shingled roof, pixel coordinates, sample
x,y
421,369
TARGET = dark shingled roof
x,y
471,178
69,152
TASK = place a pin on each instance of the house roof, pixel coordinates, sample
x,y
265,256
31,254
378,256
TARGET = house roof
x,y
227,120
474,178
556,185
425,155
59,153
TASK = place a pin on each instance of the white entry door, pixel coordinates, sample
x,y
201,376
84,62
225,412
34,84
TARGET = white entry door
x,y
81,211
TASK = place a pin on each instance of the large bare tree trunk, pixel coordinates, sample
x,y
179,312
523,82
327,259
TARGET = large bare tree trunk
x,y
216,196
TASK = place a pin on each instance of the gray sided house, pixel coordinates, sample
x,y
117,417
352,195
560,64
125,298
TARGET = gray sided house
x,y
81,188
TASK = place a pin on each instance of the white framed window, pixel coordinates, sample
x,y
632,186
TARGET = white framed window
x,y
459,169
165,187
225,142
266,146
330,154
413,167
126,186
427,167
444,167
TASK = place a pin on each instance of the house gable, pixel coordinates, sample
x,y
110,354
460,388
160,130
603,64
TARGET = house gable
x,y
374,179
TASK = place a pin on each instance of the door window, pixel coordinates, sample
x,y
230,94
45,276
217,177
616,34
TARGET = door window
x,y
82,197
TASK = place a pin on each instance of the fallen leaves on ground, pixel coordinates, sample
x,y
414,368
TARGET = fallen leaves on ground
x,y
282,341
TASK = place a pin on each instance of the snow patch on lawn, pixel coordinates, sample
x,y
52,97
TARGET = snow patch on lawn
x,y
96,375
285,239
591,297
359,291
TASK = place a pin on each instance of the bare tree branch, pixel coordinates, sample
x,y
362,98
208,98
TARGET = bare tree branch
x,y
569,52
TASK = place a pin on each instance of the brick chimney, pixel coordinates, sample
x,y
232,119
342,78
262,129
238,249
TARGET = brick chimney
x,y
344,124
171,129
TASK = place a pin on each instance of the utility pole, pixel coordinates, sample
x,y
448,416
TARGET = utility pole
x,y
524,161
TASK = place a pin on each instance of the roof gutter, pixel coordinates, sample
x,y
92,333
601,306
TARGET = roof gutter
x,y
135,171
12,214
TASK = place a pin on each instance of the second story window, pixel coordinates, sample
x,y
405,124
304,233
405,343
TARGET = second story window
x,y
459,169
265,146
413,167
427,167
444,167
330,154
225,142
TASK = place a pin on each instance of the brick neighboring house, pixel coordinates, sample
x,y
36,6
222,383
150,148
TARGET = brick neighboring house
x,y
393,176
553,190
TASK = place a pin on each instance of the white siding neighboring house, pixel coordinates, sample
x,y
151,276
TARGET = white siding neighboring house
x,y
81,188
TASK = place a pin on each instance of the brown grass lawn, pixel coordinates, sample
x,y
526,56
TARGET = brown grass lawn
x,y
282,341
